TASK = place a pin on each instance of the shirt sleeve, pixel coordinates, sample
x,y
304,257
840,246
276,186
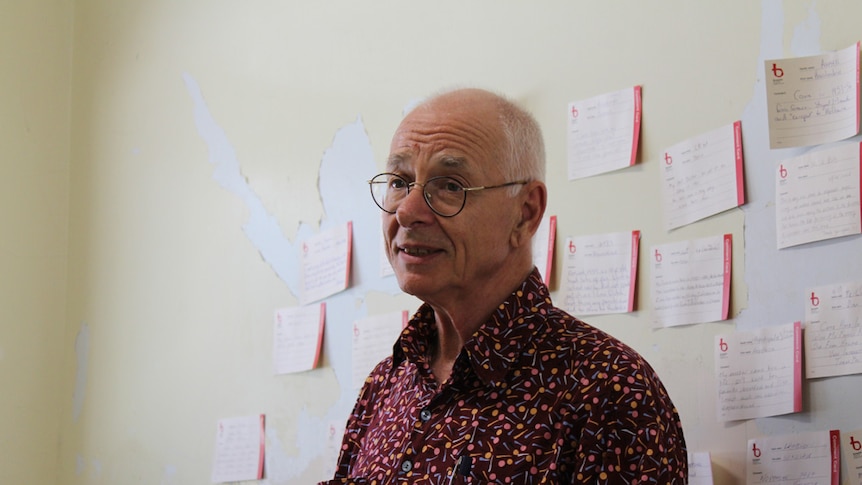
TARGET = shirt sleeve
x,y
633,433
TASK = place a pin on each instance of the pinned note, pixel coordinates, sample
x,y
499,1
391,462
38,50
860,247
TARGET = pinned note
x,y
373,338
699,468
385,268
702,176
817,195
851,451
805,458
326,263
600,273
543,247
691,281
603,132
239,449
332,449
297,338
759,373
813,100
833,330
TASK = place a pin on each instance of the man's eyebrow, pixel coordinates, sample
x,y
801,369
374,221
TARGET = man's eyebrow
x,y
450,161
398,160
395,161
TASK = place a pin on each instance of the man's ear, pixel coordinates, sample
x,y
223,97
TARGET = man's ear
x,y
534,198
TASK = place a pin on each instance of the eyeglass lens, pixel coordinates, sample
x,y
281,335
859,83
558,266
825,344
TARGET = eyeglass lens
x,y
445,195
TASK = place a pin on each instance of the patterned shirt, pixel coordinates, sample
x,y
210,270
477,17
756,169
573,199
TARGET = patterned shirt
x,y
535,396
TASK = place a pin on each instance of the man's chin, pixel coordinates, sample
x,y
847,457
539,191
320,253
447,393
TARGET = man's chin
x,y
420,287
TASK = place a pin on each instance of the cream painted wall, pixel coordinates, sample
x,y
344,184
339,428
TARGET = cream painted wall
x,y
35,67
168,303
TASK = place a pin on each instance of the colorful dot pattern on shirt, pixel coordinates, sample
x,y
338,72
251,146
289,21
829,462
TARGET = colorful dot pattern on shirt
x,y
536,396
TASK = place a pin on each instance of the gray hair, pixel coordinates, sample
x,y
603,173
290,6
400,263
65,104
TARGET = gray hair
x,y
526,147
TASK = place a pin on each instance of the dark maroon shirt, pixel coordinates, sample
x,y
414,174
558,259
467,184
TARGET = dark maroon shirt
x,y
536,396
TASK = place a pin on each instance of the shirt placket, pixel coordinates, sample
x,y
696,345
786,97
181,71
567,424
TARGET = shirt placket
x,y
421,460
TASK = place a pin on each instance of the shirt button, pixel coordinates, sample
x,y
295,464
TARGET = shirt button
x,y
406,466
425,415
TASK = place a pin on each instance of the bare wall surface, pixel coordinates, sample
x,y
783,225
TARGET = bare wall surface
x,y
209,139
35,66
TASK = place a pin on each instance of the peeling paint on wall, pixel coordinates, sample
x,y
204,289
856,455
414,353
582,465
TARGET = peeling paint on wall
x,y
169,474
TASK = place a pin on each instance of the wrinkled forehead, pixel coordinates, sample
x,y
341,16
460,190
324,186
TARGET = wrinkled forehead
x,y
465,136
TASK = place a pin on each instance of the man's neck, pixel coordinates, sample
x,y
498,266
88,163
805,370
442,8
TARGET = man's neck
x,y
456,324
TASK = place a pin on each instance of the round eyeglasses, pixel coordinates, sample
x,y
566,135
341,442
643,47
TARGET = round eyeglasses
x,y
445,196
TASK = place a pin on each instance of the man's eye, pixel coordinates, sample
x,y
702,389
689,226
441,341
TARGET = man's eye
x,y
397,183
452,186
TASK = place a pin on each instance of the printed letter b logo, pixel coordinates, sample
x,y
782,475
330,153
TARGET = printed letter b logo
x,y
855,444
777,71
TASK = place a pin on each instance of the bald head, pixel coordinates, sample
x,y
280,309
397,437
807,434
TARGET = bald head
x,y
519,143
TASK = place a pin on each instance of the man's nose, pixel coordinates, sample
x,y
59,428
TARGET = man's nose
x,y
413,207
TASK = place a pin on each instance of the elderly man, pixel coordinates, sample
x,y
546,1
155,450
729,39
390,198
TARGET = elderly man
x,y
490,382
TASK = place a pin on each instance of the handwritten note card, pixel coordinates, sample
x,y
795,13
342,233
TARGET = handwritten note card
x,y
806,458
385,267
603,133
332,449
543,247
759,373
373,338
691,281
851,447
600,273
833,330
326,263
239,449
817,196
813,100
699,468
703,176
297,338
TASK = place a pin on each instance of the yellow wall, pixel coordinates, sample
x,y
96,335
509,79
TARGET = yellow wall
x,y
35,64
123,340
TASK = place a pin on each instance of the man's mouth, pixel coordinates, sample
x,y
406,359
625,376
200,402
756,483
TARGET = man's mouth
x,y
416,251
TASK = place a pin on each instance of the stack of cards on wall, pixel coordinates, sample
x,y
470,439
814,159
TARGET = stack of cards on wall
x,y
703,176
600,272
811,101
691,281
326,263
603,133
817,195
811,458
543,247
833,330
373,338
851,451
239,449
699,468
298,338
759,373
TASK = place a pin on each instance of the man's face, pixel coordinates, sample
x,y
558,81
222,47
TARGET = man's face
x,y
442,260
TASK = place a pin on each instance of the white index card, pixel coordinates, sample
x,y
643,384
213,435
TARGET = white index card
x,y
239,449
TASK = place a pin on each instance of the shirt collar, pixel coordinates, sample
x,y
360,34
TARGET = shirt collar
x,y
497,343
